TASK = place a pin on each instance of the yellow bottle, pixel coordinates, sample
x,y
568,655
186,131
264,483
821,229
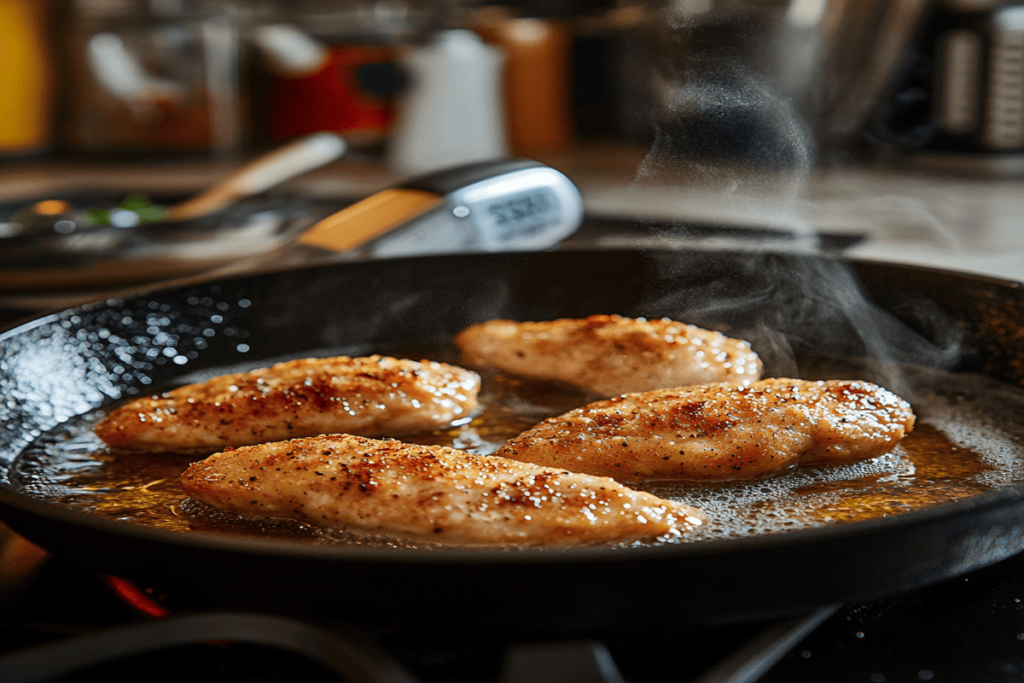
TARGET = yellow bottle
x,y
26,78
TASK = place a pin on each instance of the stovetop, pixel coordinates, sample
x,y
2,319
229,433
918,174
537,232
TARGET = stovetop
x,y
969,629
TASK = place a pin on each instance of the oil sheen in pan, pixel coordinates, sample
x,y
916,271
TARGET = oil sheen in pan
x,y
968,440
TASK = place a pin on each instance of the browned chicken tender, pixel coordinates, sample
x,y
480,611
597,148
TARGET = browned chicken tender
x,y
609,354
369,396
432,493
720,431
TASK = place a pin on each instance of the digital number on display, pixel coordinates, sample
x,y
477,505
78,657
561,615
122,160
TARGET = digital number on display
x,y
524,213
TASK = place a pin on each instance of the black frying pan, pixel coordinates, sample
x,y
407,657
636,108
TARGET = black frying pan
x,y
790,306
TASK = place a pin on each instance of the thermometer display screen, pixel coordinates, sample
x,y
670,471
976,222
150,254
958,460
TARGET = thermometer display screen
x,y
523,213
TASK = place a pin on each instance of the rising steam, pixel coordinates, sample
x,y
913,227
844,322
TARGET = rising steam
x,y
717,115
722,125
735,130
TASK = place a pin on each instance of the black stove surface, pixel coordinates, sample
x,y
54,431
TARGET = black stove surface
x,y
969,629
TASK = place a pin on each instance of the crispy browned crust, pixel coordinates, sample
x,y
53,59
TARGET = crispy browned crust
x,y
610,354
435,493
371,396
720,431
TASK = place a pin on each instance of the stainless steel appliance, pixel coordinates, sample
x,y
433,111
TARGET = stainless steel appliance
x,y
765,82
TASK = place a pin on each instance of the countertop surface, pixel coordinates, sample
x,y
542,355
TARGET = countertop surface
x,y
897,212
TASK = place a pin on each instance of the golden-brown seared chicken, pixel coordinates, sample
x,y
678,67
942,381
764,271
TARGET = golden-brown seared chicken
x,y
720,431
609,354
370,396
432,493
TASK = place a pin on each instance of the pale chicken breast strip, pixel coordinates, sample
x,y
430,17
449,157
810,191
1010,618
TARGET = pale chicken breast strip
x,y
432,493
609,354
720,431
369,396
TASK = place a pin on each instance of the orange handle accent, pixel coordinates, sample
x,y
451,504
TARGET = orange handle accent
x,y
360,223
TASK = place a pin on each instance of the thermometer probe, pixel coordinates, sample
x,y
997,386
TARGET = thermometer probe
x,y
502,205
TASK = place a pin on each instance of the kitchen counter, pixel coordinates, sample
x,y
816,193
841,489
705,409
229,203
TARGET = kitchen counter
x,y
898,213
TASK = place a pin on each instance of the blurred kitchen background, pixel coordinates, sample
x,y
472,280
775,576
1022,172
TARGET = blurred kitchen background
x,y
890,130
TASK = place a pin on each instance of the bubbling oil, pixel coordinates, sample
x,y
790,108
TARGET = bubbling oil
x,y
968,440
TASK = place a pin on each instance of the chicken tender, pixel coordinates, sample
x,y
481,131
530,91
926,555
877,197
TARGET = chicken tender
x,y
432,493
369,396
720,431
609,354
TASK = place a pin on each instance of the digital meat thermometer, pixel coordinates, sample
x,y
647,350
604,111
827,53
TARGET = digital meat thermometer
x,y
505,205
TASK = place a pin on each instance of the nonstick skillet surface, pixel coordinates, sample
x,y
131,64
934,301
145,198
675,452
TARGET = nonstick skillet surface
x,y
795,309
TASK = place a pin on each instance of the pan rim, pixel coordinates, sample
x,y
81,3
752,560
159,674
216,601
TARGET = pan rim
x,y
170,285
965,275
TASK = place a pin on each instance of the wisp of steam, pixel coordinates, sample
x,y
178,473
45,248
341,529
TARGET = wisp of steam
x,y
722,125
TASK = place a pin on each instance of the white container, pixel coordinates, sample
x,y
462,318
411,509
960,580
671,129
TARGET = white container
x,y
453,112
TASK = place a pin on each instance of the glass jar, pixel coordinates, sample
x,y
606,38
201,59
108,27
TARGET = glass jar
x,y
152,76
